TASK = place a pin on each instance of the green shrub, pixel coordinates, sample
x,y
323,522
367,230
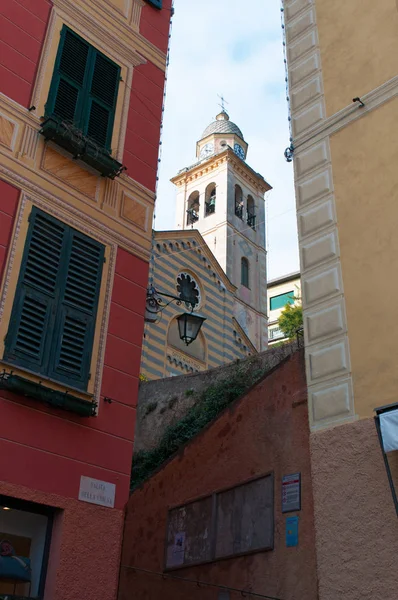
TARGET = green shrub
x,y
209,405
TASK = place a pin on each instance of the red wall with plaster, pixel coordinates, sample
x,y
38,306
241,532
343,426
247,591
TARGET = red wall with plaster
x,y
154,24
23,25
267,430
146,101
39,437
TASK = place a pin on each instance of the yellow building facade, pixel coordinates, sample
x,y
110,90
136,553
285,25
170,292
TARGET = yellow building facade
x,y
343,86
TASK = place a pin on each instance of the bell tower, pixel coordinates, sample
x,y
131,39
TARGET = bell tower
x,y
223,198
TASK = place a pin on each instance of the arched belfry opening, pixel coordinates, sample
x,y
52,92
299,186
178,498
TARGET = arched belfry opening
x,y
193,206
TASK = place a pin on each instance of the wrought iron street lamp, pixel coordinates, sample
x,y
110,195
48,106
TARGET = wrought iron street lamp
x,y
189,323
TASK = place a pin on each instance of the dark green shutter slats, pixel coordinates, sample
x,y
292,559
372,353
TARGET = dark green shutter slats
x,y
85,267
155,3
66,95
43,257
105,80
104,87
30,332
33,313
84,89
73,60
53,318
98,124
66,101
78,310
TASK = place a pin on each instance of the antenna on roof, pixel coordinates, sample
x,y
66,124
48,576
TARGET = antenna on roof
x,y
222,103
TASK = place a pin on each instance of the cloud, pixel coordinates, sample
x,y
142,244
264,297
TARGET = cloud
x,y
218,48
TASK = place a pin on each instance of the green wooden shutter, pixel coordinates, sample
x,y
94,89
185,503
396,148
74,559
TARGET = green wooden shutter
x,y
33,313
155,3
101,104
66,97
77,311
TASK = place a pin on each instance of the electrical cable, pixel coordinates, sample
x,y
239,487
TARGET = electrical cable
x,y
200,583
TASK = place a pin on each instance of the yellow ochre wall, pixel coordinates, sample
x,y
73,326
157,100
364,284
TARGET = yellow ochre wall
x,y
365,174
348,31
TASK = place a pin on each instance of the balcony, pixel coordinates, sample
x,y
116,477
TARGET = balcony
x,y
81,147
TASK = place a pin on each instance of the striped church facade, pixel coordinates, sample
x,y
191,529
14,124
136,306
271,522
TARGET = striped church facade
x,y
221,340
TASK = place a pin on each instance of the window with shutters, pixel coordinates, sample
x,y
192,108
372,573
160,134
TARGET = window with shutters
x,y
80,109
53,317
155,3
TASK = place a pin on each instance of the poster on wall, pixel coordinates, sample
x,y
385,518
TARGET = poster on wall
x,y
291,492
176,552
292,532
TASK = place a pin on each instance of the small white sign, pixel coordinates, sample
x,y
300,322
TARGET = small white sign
x,y
97,492
291,492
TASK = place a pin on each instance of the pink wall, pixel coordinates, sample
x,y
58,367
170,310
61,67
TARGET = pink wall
x,y
154,24
143,124
265,431
355,519
85,546
23,26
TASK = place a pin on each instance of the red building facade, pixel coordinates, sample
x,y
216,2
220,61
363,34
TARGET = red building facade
x,y
214,513
80,112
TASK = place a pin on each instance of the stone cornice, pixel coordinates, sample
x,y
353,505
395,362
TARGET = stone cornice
x,y
125,40
228,155
26,185
187,235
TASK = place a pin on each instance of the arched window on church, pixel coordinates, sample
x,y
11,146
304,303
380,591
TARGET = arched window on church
x,y
238,201
193,208
251,212
210,199
244,272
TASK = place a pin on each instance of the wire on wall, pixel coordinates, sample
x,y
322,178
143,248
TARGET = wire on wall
x,y
152,255
199,583
290,149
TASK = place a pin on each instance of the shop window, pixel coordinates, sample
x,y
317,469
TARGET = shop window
x,y
53,317
25,532
281,300
81,104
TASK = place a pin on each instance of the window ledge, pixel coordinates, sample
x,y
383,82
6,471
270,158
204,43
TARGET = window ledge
x,y
43,393
81,147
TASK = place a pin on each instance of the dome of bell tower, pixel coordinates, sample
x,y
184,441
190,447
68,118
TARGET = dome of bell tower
x,y
222,124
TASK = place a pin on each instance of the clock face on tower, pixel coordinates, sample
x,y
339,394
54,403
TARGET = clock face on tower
x,y
239,151
206,151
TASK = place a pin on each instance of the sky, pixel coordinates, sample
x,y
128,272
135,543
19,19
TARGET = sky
x,y
217,48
